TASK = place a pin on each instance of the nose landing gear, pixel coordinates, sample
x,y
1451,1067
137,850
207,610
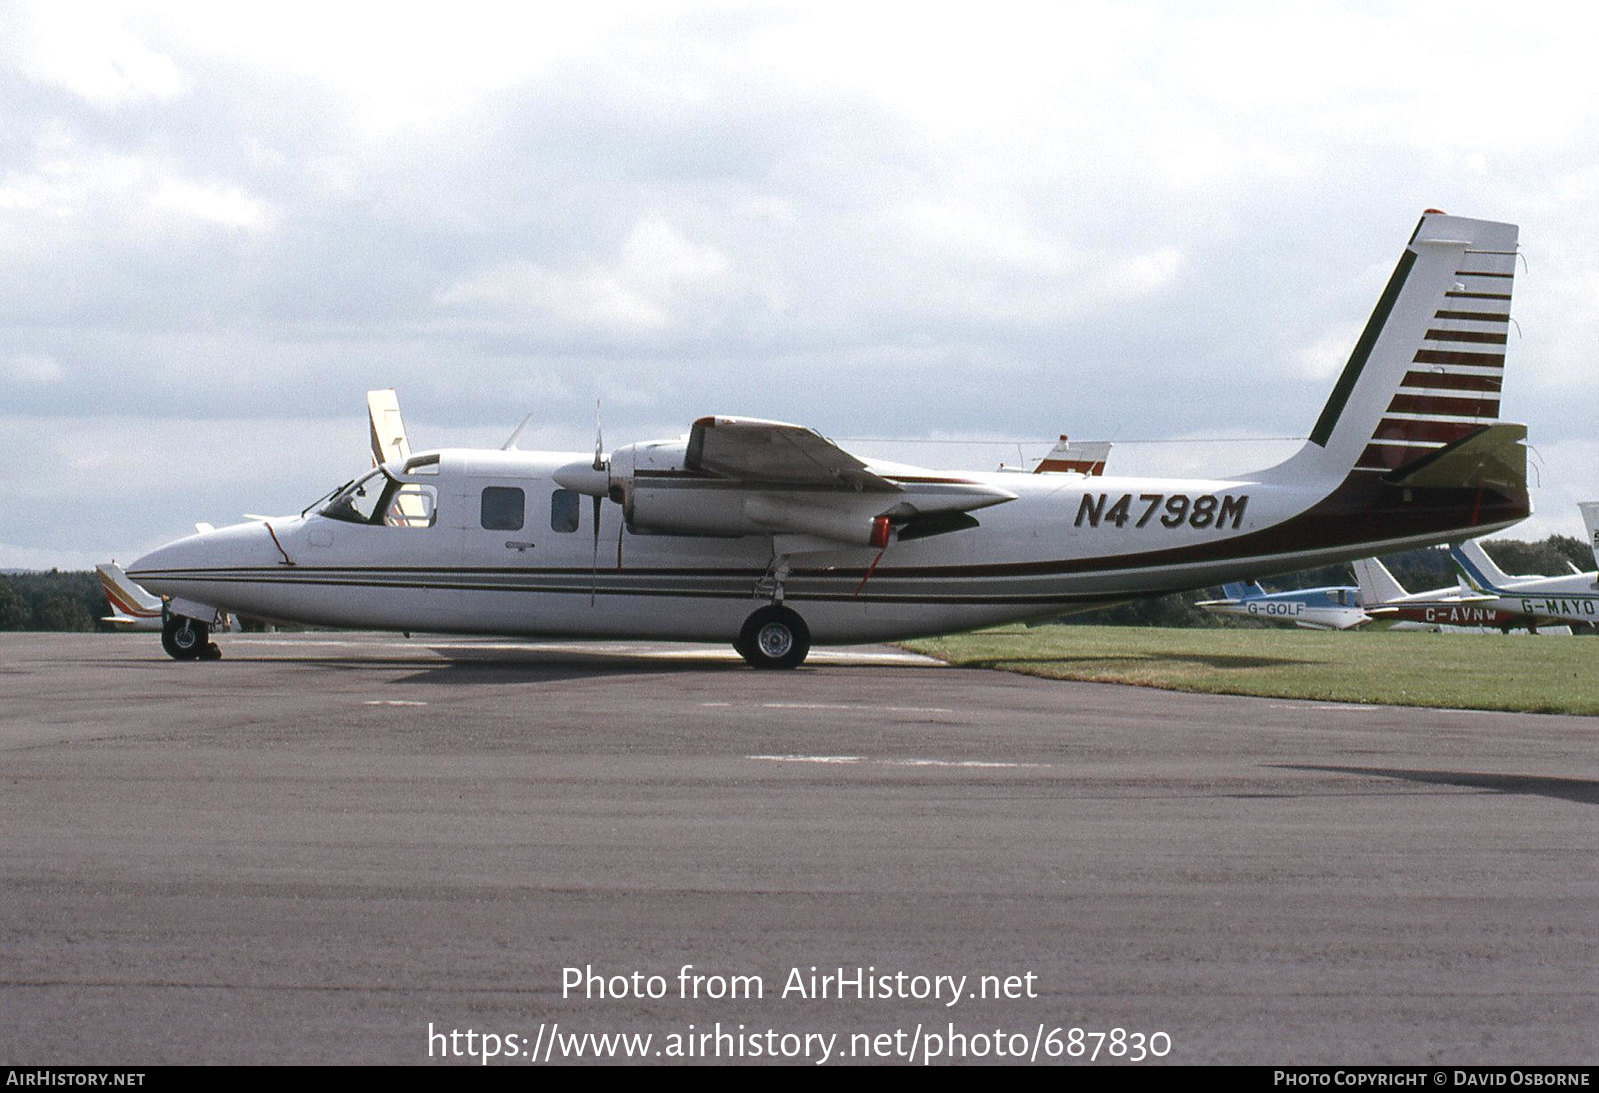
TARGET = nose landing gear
x,y
188,639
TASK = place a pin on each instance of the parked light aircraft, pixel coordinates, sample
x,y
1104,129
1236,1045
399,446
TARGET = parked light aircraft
x,y
1570,598
771,537
1333,608
132,608
1389,605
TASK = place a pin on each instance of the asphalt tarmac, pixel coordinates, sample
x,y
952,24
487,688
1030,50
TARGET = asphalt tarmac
x,y
324,848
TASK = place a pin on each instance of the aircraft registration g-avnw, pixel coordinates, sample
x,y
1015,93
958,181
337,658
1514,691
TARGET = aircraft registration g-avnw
x,y
771,537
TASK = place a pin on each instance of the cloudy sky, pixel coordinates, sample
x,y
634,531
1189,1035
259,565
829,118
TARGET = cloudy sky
x,y
221,224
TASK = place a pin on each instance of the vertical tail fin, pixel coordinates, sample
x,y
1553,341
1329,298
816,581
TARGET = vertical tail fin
x,y
388,428
1376,584
1084,457
1477,569
130,603
1427,370
1590,520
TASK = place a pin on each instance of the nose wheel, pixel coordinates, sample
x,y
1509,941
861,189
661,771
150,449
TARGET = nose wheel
x,y
188,639
774,637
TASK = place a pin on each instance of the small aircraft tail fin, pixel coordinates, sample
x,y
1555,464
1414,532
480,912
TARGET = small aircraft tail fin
x,y
1476,568
389,442
1084,457
131,603
1590,520
1242,590
1428,368
1376,584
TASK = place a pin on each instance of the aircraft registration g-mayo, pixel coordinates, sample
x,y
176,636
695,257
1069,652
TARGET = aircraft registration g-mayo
x,y
1572,598
771,537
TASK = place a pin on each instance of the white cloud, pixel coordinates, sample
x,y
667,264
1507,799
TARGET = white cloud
x,y
70,185
1324,358
1138,274
30,368
654,276
1092,216
89,50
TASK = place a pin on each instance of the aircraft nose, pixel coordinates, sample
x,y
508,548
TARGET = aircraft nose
x,y
242,545
163,559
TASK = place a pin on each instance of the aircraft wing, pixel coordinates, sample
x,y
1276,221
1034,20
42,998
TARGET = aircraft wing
x,y
772,452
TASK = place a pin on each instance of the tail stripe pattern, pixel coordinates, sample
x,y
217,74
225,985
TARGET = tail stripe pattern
x,y
1453,385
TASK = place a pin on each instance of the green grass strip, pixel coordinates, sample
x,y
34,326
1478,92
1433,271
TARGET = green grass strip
x,y
1531,674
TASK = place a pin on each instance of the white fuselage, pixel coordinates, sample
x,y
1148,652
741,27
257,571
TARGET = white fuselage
x,y
1573,598
1065,542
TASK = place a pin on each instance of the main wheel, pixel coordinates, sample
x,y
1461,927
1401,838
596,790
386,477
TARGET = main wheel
x,y
774,637
184,638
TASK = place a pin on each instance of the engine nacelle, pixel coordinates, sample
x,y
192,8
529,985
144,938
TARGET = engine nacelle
x,y
663,490
710,508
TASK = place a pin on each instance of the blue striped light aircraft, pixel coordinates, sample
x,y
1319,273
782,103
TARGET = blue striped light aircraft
x,y
770,537
1569,598
1336,608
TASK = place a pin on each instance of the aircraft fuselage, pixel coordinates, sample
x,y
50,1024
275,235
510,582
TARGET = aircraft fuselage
x,y
504,549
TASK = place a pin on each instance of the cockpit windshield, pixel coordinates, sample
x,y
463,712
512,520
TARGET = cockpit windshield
x,y
381,500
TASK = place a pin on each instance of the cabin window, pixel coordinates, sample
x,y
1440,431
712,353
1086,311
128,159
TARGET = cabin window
x,y
503,508
564,510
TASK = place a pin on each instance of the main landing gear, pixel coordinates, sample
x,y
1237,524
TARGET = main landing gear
x,y
188,639
774,637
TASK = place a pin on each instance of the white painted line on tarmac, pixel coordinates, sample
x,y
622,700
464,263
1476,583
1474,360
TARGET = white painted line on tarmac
x,y
839,706
1342,708
839,760
809,758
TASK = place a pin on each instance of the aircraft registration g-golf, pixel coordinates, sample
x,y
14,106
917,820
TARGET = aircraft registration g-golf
x,y
1332,608
771,537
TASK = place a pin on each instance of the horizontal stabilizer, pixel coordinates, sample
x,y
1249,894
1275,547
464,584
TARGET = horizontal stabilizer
x,y
1493,456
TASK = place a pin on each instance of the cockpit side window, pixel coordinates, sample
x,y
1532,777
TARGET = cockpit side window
x,y
412,506
379,499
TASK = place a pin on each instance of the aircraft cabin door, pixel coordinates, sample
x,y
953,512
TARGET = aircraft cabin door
x,y
500,529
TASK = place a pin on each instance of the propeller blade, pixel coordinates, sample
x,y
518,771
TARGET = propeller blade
x,y
594,578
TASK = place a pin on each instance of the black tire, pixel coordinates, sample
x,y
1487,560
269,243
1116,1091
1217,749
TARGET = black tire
x,y
774,637
184,638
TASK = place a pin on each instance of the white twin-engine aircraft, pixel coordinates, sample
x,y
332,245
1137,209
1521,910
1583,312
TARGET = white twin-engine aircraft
x,y
772,537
